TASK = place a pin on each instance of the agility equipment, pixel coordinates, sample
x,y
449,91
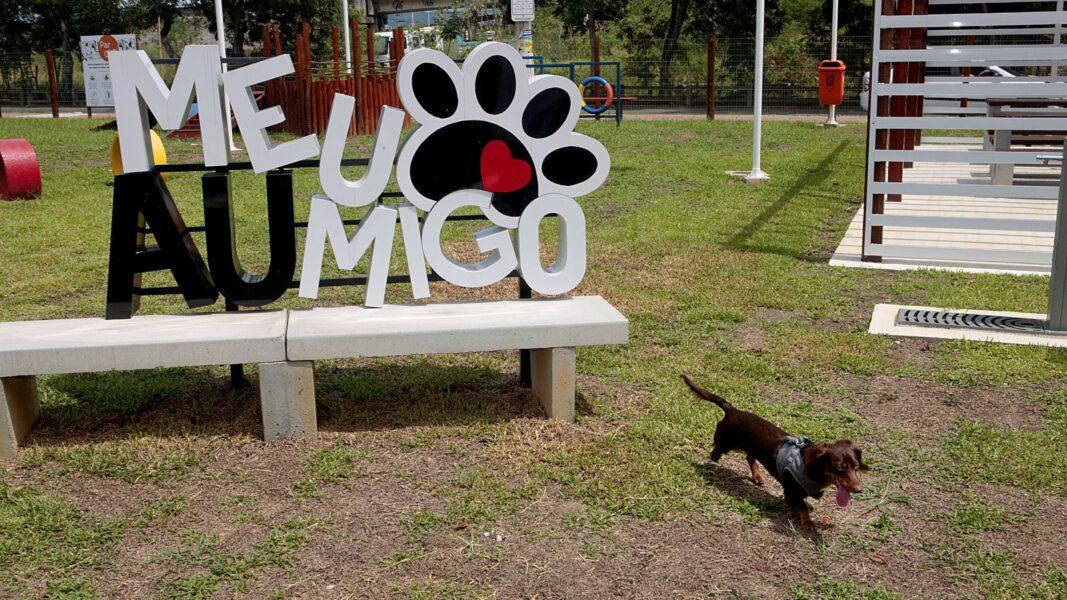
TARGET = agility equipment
x,y
20,173
608,100
159,154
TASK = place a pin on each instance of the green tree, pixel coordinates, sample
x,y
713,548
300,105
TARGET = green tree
x,y
244,20
58,25
147,14
854,18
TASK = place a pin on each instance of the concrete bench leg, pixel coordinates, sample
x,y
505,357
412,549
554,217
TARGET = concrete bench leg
x,y
18,412
287,392
553,381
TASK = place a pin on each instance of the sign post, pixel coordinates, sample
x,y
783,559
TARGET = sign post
x,y
522,13
831,118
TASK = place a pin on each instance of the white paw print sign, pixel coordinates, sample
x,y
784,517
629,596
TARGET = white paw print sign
x,y
490,126
489,136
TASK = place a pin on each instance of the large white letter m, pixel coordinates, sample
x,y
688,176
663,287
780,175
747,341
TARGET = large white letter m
x,y
138,88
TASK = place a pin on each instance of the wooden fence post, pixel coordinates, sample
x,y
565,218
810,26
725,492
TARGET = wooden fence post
x,y
357,78
336,58
371,58
53,89
596,56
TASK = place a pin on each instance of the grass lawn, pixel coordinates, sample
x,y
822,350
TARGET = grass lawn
x,y
436,477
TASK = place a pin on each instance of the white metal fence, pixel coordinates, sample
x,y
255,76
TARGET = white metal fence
x,y
993,85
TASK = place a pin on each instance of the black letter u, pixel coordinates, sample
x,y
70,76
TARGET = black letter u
x,y
231,279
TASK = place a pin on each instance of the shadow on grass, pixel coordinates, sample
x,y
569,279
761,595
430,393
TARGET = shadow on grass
x,y
741,239
750,500
158,403
391,396
92,407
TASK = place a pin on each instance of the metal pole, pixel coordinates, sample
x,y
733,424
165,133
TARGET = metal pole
x,y
757,173
831,118
222,52
1057,295
711,78
348,37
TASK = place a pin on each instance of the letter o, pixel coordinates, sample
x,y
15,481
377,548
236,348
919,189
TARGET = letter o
x,y
567,272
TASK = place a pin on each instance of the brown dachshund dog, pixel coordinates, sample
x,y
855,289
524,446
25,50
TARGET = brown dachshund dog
x,y
803,467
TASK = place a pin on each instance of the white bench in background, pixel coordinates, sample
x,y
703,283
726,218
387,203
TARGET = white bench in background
x,y
285,344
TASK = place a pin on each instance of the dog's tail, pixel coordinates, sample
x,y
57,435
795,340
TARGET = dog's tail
x,y
710,397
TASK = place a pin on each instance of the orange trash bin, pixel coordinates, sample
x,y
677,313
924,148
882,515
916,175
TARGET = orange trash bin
x,y
831,82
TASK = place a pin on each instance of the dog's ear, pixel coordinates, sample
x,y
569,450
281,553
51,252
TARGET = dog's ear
x,y
818,460
859,460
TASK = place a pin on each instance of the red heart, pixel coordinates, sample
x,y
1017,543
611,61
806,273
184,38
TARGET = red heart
x,y
500,172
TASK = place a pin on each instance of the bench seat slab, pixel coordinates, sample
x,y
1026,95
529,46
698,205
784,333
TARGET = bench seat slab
x,y
143,342
18,412
448,327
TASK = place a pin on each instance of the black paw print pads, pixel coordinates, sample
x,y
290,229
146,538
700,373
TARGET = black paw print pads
x,y
489,126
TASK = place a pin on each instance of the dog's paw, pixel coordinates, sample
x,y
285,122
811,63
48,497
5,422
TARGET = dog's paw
x,y
490,126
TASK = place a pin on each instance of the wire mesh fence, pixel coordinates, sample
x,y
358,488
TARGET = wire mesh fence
x,y
24,79
658,77
654,76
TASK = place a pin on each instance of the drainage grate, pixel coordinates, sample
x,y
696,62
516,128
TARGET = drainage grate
x,y
944,318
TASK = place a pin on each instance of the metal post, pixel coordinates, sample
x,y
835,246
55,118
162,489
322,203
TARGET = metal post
x,y
831,117
757,174
525,371
237,372
348,37
222,52
711,77
1057,296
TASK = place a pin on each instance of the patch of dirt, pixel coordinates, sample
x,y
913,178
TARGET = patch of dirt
x,y
929,409
749,336
609,211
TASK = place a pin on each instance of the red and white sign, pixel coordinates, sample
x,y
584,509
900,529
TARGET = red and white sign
x,y
95,50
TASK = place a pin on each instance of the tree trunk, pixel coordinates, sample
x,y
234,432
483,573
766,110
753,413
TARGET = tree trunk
x,y
164,32
679,12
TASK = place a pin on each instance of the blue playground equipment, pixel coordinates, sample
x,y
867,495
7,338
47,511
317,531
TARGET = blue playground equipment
x,y
614,96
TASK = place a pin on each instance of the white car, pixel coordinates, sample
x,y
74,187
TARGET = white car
x,y
991,71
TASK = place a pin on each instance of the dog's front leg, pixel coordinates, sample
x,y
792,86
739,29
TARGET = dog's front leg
x,y
757,478
800,510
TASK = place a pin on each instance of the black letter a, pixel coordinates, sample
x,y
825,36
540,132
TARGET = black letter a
x,y
141,198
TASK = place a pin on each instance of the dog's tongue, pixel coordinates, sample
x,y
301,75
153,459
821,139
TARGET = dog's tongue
x,y
842,497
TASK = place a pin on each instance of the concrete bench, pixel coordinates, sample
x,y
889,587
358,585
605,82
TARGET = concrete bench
x,y
285,344
550,328
31,348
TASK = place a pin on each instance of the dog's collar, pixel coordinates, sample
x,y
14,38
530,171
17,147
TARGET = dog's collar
x,y
790,464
